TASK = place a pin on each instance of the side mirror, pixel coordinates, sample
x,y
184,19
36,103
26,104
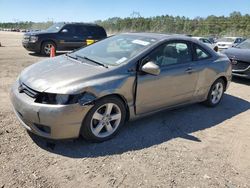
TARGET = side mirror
x,y
216,48
65,31
151,68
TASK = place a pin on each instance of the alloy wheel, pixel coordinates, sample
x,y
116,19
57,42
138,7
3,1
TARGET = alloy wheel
x,y
217,93
105,120
47,48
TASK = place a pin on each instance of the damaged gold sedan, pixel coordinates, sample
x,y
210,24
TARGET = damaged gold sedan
x,y
93,91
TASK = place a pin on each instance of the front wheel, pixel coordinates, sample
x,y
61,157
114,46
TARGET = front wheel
x,y
46,47
216,93
104,119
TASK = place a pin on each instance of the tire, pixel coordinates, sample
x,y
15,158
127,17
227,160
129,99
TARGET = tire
x,y
216,93
45,49
98,125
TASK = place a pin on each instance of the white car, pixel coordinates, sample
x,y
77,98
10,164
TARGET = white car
x,y
206,41
228,42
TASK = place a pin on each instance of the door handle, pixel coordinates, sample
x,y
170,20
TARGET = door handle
x,y
75,37
189,70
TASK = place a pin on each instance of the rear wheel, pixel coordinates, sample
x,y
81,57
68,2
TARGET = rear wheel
x,y
216,93
46,47
104,119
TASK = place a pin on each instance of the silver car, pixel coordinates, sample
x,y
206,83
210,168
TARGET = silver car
x,y
93,91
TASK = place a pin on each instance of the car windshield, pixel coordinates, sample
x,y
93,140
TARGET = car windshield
x,y
115,50
244,45
226,40
56,27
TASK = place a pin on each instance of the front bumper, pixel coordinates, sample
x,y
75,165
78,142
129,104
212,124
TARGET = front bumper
x,y
245,73
49,121
34,47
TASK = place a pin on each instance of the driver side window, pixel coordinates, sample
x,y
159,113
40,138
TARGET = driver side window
x,y
171,53
70,30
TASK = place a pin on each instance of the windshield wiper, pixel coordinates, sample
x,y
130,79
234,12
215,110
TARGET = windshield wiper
x,y
96,62
70,56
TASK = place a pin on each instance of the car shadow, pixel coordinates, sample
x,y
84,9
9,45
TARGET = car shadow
x,y
240,80
152,130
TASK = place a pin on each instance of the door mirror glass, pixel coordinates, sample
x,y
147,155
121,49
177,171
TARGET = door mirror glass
x,y
151,68
65,31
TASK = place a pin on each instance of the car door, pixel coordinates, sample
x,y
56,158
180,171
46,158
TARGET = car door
x,y
176,82
202,61
81,35
68,38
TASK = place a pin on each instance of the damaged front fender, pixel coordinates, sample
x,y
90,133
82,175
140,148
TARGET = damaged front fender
x,y
87,99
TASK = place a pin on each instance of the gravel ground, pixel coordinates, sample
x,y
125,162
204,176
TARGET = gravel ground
x,y
194,146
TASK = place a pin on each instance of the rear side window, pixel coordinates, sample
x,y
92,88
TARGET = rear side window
x,y
98,32
200,53
81,30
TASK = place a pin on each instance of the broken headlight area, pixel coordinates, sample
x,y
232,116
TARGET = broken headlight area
x,y
64,99
86,98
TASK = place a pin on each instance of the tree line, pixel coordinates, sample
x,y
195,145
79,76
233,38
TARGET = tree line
x,y
235,24
26,25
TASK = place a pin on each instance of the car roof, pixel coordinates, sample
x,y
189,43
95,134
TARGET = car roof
x,y
80,23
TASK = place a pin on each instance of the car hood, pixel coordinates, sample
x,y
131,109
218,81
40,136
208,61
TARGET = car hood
x,y
38,33
238,54
61,72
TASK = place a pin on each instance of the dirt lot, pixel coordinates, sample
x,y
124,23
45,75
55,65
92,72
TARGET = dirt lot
x,y
194,146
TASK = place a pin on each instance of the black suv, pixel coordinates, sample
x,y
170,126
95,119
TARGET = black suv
x,y
63,36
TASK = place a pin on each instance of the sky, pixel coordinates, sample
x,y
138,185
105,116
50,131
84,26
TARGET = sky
x,y
92,10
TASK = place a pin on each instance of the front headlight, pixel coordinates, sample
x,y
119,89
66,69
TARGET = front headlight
x,y
33,39
61,99
50,98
